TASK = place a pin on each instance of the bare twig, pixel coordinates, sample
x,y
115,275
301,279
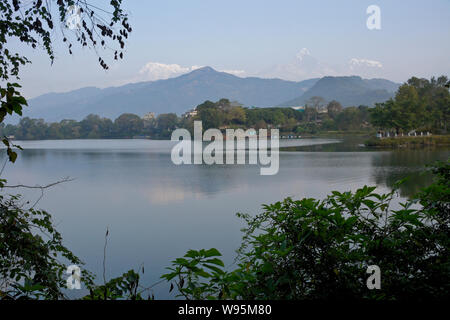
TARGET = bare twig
x,y
66,179
42,188
104,256
143,289
3,167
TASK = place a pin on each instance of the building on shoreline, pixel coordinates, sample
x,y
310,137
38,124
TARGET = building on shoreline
x,y
149,116
189,114
297,108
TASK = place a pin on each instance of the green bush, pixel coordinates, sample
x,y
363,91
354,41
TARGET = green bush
x,y
33,260
320,249
294,249
31,253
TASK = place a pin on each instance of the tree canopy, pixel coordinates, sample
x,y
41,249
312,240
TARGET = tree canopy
x,y
419,104
34,24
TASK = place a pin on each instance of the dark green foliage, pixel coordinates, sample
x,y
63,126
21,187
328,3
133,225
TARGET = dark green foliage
x,y
320,249
294,249
164,125
31,251
125,287
333,109
11,102
199,274
92,127
436,197
419,104
221,114
33,259
128,124
32,23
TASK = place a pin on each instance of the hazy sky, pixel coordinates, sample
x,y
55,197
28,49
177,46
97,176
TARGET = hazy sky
x,y
292,40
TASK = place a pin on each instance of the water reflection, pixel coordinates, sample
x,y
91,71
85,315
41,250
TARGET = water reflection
x,y
390,167
156,210
150,171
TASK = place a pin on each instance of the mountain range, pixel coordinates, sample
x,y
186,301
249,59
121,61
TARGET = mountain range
x,y
185,92
349,91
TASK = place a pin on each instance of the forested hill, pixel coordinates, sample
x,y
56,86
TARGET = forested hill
x,y
175,95
179,94
349,91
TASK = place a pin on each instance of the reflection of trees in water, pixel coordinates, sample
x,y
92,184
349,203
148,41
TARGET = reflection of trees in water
x,y
153,170
343,144
390,167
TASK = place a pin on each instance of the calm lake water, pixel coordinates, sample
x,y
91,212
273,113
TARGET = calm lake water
x,y
156,211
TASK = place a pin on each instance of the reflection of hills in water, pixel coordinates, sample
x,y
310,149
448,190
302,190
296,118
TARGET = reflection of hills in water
x,y
153,173
134,188
344,144
390,167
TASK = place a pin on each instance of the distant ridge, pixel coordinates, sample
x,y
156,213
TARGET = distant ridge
x,y
349,91
184,92
163,96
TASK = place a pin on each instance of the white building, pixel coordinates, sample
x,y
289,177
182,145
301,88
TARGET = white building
x,y
190,113
149,116
298,107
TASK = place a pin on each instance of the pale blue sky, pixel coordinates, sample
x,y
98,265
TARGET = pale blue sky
x,y
262,38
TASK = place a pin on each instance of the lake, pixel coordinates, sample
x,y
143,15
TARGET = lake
x,y
156,211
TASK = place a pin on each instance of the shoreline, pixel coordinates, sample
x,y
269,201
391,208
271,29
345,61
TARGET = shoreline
x,y
409,142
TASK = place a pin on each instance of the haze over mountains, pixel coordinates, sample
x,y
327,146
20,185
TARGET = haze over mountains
x,y
187,91
349,91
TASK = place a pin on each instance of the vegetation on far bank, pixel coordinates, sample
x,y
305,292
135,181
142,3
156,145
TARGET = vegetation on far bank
x,y
419,105
221,114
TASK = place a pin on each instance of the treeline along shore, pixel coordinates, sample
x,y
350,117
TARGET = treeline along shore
x,y
420,105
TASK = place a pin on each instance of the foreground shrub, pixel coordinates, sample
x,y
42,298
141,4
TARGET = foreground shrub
x,y
34,261
32,254
312,249
294,249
